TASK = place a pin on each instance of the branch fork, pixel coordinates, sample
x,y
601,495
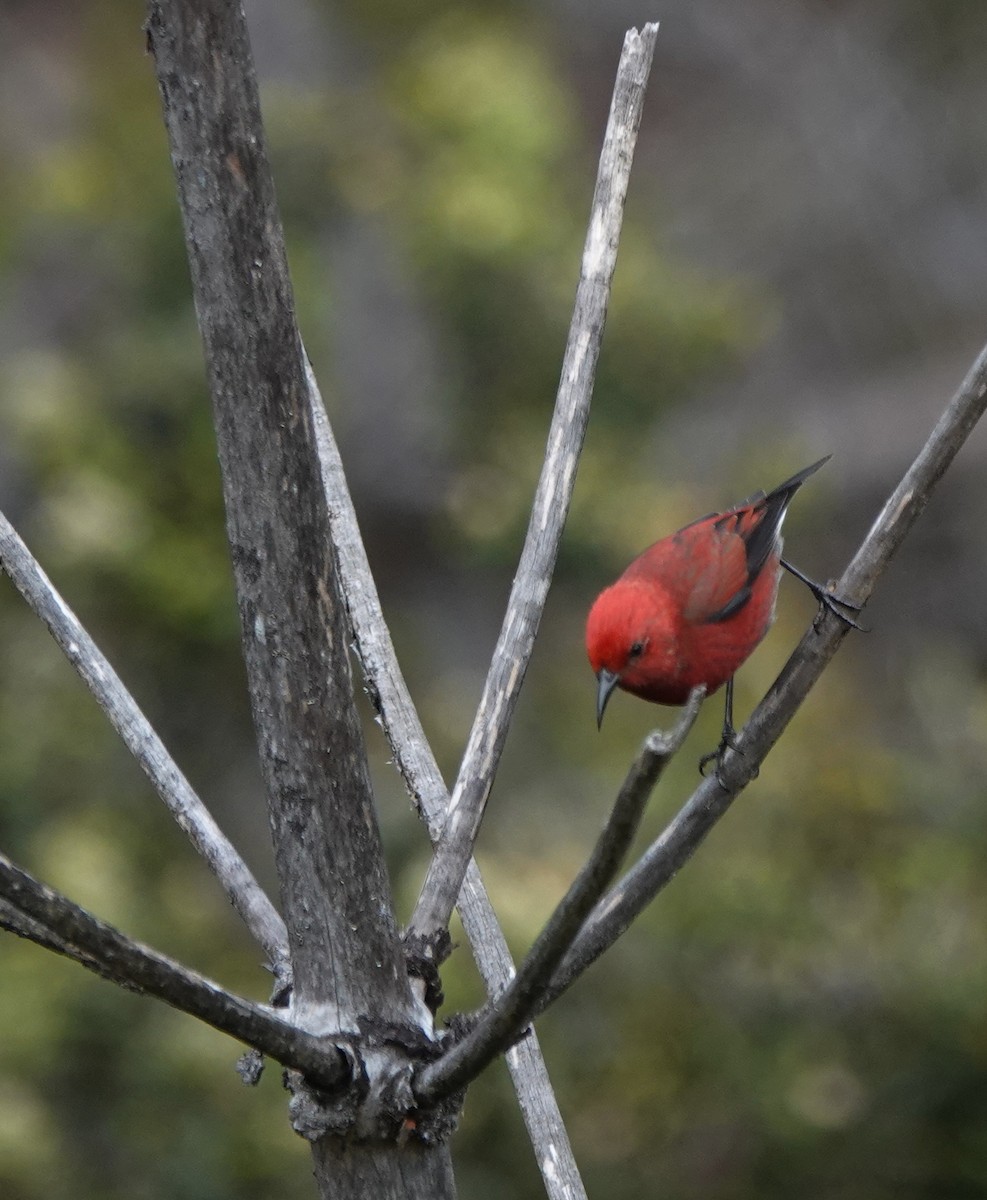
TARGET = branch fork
x,y
507,1017
390,1080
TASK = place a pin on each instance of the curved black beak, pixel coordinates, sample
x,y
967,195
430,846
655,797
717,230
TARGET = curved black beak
x,y
606,682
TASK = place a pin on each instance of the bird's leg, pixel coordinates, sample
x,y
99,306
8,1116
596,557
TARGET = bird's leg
x,y
729,733
826,598
728,738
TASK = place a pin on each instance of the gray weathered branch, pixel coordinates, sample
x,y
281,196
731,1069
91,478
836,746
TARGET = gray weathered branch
x,y
15,921
326,846
552,495
245,893
414,759
345,951
390,697
49,918
508,1015
710,801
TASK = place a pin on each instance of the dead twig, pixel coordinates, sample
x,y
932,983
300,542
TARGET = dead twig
x,y
552,496
507,1017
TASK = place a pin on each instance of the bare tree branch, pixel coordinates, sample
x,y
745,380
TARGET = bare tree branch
x,y
382,674
333,884
506,1018
712,798
245,893
416,762
552,496
49,918
19,923
345,950
539,1107
403,730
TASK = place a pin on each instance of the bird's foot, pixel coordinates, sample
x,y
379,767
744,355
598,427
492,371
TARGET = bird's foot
x,y
728,741
829,600
837,605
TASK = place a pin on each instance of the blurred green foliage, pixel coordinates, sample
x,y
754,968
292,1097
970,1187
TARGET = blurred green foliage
x,y
801,1013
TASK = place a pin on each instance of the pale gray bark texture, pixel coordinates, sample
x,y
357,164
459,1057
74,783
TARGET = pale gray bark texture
x,y
246,895
413,756
346,955
505,1019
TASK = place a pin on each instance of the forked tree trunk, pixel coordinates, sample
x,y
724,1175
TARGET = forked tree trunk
x,y
345,951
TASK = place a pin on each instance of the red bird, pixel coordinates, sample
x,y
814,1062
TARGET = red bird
x,y
692,607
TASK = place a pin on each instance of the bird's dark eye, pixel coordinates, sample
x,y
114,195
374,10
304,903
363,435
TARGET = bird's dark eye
x,y
636,650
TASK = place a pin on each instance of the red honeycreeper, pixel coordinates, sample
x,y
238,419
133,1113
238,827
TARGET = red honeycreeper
x,y
691,608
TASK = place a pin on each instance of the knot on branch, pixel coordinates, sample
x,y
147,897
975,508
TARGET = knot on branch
x,y
250,1067
315,1112
284,983
424,954
378,1103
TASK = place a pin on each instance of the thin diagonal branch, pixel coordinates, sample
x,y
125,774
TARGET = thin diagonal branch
x,y
417,765
505,1020
15,921
382,674
416,762
345,950
52,920
710,801
552,495
245,893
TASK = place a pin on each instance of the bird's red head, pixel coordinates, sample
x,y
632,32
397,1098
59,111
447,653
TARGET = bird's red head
x,y
631,641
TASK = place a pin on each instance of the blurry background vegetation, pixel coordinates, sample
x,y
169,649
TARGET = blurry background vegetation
x,y
803,270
